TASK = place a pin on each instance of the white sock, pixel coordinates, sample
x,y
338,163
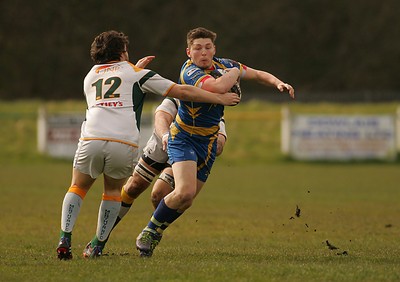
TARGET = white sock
x,y
70,211
108,213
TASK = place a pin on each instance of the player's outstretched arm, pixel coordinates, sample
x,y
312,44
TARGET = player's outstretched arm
x,y
195,94
268,79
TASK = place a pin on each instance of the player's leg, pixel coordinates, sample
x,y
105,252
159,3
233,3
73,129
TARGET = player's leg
x,y
118,166
108,212
145,171
164,185
180,199
72,203
129,192
152,162
82,180
190,174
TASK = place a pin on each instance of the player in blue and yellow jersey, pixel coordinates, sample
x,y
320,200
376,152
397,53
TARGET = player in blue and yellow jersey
x,y
198,123
192,137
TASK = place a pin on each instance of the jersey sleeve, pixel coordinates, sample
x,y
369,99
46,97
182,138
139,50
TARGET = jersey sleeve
x,y
152,82
169,105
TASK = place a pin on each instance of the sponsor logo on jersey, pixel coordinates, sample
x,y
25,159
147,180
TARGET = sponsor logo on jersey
x,y
107,68
191,72
110,104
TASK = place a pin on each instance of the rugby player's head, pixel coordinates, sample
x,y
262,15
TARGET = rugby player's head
x,y
109,46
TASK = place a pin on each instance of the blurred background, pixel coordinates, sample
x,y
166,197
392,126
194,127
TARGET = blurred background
x,y
342,51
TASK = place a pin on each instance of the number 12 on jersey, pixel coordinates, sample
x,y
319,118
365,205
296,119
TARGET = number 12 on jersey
x,y
113,82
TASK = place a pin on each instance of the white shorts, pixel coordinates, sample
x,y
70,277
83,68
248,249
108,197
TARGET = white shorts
x,y
114,159
154,151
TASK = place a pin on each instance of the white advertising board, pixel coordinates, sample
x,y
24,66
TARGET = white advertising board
x,y
341,137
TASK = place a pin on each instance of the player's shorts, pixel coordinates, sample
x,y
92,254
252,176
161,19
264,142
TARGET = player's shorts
x,y
202,151
154,150
153,154
114,159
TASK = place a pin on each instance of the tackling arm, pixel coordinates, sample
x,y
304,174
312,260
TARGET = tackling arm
x,y
195,94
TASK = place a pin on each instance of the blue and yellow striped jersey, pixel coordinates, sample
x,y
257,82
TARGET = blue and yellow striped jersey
x,y
201,118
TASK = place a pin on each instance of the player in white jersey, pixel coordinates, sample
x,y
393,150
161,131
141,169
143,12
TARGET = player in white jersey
x,y
114,89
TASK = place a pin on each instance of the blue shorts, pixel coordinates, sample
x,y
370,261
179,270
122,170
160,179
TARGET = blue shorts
x,y
201,150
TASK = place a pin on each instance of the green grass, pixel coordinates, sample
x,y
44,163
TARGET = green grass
x,y
239,228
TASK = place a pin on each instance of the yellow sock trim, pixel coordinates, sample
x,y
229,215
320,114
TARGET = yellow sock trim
x,y
126,198
76,190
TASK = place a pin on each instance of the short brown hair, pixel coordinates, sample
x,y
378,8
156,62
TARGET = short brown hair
x,y
108,46
200,32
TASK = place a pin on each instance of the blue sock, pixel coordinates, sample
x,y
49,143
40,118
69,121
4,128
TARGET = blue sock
x,y
162,217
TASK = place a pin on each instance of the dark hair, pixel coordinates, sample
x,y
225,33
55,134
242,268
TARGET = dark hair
x,y
200,32
108,46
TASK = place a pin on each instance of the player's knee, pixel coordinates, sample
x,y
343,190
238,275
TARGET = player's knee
x,y
135,186
185,198
156,198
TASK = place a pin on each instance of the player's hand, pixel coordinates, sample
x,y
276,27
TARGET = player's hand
x,y
286,87
164,140
229,99
143,62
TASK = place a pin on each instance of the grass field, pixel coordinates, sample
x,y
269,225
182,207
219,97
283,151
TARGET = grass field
x,y
242,226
